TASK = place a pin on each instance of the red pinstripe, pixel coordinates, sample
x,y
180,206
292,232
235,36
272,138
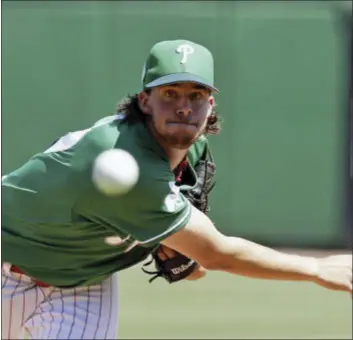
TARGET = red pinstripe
x,y
10,313
10,319
23,307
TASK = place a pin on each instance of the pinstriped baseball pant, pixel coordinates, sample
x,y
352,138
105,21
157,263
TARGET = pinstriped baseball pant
x,y
33,312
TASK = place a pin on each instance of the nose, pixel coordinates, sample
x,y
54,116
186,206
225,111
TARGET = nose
x,y
185,109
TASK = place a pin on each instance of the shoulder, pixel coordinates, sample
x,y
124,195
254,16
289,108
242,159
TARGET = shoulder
x,y
105,133
108,120
86,137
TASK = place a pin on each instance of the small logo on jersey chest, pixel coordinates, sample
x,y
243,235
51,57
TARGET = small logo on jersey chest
x,y
173,188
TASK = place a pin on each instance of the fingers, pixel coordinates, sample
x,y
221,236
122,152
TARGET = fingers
x,y
342,258
336,273
165,253
343,287
347,286
199,273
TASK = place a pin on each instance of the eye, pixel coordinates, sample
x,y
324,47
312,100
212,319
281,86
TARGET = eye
x,y
196,96
170,94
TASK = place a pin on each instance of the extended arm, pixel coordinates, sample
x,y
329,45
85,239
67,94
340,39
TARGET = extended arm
x,y
201,241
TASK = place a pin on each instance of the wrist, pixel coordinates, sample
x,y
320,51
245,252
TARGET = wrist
x,y
312,268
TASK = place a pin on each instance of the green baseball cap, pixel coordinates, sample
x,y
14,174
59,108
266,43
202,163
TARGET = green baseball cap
x,y
176,61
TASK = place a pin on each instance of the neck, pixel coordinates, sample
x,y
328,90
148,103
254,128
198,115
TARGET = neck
x,y
175,155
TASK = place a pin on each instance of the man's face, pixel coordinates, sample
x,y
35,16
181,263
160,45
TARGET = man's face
x,y
178,112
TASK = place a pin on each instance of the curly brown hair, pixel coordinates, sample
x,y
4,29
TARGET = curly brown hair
x,y
129,107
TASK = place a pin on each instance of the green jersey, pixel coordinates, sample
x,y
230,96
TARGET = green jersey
x,y
56,225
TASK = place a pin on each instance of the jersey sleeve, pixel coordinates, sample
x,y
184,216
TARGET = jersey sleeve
x,y
151,212
166,212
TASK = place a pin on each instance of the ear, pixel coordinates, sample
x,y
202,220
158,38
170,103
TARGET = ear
x,y
211,103
143,100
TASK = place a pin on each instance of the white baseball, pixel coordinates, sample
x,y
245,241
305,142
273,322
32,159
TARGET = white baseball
x,y
115,172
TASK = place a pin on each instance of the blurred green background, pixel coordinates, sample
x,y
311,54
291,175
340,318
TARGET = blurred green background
x,y
281,67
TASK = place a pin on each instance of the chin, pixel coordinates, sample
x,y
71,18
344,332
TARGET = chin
x,y
181,142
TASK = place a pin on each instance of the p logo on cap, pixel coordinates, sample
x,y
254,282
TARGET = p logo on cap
x,y
185,50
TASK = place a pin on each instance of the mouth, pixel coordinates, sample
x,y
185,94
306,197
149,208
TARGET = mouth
x,y
182,124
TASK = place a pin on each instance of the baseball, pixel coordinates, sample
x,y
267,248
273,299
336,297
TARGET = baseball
x,y
115,172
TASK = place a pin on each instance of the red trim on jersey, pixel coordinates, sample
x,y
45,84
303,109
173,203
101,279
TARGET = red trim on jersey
x,y
179,170
17,270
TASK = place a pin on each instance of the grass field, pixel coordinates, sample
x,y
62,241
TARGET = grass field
x,y
222,306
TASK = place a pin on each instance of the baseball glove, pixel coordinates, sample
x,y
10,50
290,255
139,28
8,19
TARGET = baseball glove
x,y
178,267
172,268
205,170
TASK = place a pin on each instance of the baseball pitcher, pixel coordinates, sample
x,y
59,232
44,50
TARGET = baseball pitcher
x,y
64,242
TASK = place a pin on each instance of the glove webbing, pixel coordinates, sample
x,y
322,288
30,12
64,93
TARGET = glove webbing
x,y
156,273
